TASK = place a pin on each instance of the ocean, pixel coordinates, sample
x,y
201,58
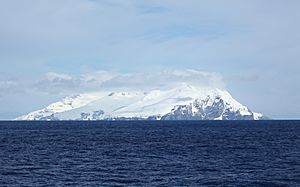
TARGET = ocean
x,y
150,153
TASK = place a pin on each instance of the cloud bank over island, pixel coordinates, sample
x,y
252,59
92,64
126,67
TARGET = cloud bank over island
x,y
54,83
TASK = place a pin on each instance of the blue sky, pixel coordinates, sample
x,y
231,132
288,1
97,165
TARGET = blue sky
x,y
254,45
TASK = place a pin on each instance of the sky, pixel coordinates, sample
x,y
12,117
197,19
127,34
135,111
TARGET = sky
x,y
53,48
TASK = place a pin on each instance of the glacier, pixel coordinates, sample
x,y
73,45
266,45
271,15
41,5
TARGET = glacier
x,y
182,102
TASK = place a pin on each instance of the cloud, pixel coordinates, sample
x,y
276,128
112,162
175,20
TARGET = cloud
x,y
7,84
246,77
55,83
98,76
165,80
62,83
22,96
8,87
56,77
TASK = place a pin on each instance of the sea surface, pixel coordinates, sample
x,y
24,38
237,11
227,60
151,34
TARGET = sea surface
x,y
150,153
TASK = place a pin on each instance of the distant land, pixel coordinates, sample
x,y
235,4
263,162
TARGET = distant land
x,y
182,102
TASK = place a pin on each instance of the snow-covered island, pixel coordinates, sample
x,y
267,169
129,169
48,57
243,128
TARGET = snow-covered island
x,y
183,102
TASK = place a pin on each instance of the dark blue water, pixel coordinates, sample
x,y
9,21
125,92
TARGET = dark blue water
x,y
150,153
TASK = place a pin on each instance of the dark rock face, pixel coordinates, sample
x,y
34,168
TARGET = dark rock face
x,y
183,112
84,116
154,117
217,110
49,118
236,116
96,115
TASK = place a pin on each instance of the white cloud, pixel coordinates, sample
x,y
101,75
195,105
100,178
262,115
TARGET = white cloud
x,y
55,83
56,77
61,83
7,84
98,76
9,87
32,95
165,79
